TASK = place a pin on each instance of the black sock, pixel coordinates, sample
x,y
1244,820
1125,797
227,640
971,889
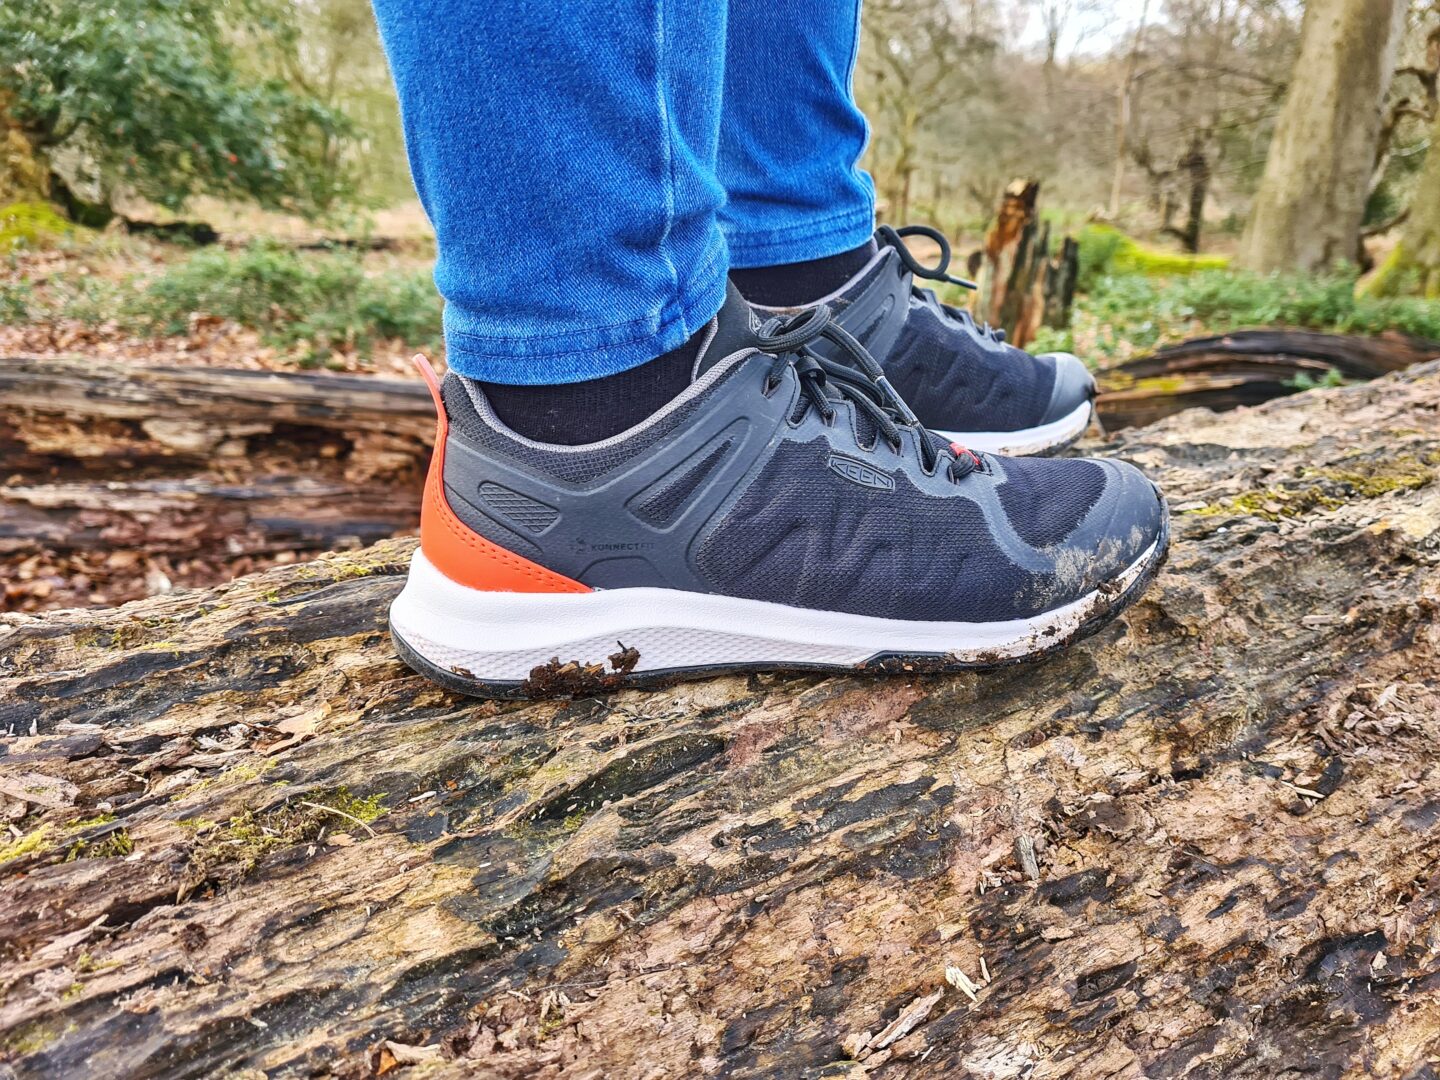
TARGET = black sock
x,y
584,412
798,284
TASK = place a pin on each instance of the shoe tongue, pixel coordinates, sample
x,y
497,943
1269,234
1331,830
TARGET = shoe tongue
x,y
734,328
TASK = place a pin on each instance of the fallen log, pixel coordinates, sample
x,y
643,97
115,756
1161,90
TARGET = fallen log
x,y
204,467
1246,367
246,841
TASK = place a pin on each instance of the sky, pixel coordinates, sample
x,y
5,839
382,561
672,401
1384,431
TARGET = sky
x,y
1093,31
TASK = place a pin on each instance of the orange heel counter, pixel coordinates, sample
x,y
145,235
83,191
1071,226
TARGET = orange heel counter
x,y
456,550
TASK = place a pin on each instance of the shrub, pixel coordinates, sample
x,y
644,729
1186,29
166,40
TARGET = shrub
x,y
1143,311
326,299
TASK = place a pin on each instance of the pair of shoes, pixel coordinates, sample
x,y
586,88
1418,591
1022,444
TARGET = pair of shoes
x,y
788,511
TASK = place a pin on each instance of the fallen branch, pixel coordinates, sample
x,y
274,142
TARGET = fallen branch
x,y
1246,367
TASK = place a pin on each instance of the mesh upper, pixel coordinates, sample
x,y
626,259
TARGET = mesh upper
x,y
803,535
662,505
1046,499
958,381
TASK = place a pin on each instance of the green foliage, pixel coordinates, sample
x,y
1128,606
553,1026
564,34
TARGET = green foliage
x,y
32,225
171,98
1142,312
1305,381
1106,250
326,299
15,301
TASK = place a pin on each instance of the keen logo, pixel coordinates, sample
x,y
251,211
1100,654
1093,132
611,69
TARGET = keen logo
x,y
857,472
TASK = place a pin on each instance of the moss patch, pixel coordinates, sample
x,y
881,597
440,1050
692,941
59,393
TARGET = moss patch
x,y
232,849
34,1037
32,225
238,775
115,845
1326,489
1104,249
28,844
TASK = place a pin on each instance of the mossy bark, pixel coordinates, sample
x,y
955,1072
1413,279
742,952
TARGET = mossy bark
x,y
1415,260
1307,212
1201,844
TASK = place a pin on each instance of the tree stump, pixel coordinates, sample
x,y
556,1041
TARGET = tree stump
x,y
246,841
1021,287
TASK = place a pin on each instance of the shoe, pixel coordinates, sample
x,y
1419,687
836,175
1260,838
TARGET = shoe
x,y
962,379
784,513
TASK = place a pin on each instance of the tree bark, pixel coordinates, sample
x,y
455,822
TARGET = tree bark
x,y
1202,844
1416,256
1307,212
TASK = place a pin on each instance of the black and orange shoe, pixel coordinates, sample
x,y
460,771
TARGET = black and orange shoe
x,y
785,512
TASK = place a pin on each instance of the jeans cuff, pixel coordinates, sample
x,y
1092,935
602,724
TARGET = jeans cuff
x,y
801,243
594,353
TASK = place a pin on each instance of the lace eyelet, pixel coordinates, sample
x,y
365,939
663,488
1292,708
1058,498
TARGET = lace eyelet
x,y
768,390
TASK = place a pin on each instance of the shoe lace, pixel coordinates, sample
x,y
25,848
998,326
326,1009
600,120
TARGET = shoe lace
x,y
863,383
939,272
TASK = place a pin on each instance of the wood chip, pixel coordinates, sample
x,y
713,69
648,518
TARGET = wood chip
x,y
958,979
56,949
1025,854
855,1043
911,1017
48,791
412,1055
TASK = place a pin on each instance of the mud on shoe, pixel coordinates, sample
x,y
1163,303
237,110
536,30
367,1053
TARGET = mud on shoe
x,y
784,513
962,378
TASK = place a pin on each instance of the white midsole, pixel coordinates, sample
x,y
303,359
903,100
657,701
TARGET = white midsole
x,y
502,636
1028,441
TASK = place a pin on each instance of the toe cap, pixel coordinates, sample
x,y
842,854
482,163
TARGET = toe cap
x,y
1074,386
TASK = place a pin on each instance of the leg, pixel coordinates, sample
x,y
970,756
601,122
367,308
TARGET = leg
x,y
777,510
790,134
565,156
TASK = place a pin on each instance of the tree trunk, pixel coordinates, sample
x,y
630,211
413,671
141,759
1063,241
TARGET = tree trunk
x,y
1195,166
1307,213
249,842
1416,256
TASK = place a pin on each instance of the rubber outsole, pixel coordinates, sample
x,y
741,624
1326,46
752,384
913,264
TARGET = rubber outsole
x,y
1043,441
571,679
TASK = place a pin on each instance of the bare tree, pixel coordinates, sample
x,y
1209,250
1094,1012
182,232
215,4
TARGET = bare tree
x,y
919,59
1122,109
1202,101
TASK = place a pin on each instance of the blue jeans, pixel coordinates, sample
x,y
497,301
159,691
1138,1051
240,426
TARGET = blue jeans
x,y
594,168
